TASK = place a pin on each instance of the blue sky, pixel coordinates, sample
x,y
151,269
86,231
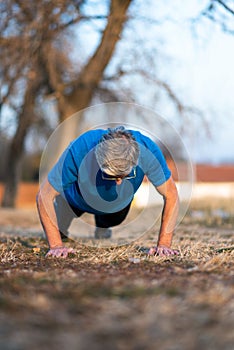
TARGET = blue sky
x,y
201,72
196,59
208,73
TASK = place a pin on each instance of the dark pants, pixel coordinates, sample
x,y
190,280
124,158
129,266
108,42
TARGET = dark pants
x,y
65,214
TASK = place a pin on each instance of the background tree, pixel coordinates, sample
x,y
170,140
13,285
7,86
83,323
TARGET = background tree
x,y
42,60
35,59
222,12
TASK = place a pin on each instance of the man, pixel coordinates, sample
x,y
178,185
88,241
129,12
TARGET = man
x,y
99,173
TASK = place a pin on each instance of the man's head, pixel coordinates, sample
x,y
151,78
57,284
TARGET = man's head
x,y
117,152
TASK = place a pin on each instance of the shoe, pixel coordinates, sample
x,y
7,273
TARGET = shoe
x,y
64,236
102,233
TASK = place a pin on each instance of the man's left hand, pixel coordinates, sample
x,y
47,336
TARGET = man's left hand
x,y
162,251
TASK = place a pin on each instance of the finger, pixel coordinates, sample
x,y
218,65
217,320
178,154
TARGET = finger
x,y
160,252
164,251
177,252
173,252
71,250
170,252
152,251
66,251
64,254
56,254
48,254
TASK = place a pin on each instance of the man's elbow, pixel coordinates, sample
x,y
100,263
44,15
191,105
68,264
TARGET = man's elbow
x,y
174,195
38,199
46,194
40,194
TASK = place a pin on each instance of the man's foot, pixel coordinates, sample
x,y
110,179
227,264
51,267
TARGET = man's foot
x,y
102,233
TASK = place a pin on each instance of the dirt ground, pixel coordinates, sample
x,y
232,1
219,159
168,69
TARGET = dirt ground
x,y
118,297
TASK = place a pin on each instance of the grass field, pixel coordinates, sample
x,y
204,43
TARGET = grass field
x,y
119,298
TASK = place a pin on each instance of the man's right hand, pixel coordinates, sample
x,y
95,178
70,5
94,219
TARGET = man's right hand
x,y
162,251
60,252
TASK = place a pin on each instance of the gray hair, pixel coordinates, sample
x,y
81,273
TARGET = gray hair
x,y
117,151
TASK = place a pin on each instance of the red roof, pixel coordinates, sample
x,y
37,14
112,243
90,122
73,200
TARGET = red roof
x,y
215,173
203,172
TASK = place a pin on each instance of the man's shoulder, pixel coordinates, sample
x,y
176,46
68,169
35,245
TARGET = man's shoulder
x,y
141,137
90,137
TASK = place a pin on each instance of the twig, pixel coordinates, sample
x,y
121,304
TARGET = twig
x,y
220,250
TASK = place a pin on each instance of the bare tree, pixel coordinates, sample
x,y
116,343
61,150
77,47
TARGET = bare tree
x,y
33,61
222,12
35,46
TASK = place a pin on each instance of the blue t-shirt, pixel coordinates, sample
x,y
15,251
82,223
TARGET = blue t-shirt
x,y
78,178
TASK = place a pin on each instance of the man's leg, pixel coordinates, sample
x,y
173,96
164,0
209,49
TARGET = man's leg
x,y
65,214
105,221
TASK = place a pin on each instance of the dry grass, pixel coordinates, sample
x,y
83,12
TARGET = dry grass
x,y
119,298
212,213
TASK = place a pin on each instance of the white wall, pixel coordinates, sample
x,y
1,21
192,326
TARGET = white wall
x,y
147,195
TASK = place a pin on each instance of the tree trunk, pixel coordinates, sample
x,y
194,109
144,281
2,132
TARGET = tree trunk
x,y
13,172
16,147
92,73
82,90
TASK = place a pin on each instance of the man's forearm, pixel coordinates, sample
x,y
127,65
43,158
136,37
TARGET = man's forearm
x,y
168,221
48,220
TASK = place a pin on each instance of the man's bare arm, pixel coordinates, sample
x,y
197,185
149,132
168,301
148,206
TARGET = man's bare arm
x,y
45,205
169,216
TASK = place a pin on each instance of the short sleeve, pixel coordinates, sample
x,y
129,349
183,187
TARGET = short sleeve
x,y
64,172
153,162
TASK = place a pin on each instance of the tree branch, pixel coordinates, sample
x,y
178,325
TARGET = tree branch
x,y
222,3
211,13
102,55
182,109
92,73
